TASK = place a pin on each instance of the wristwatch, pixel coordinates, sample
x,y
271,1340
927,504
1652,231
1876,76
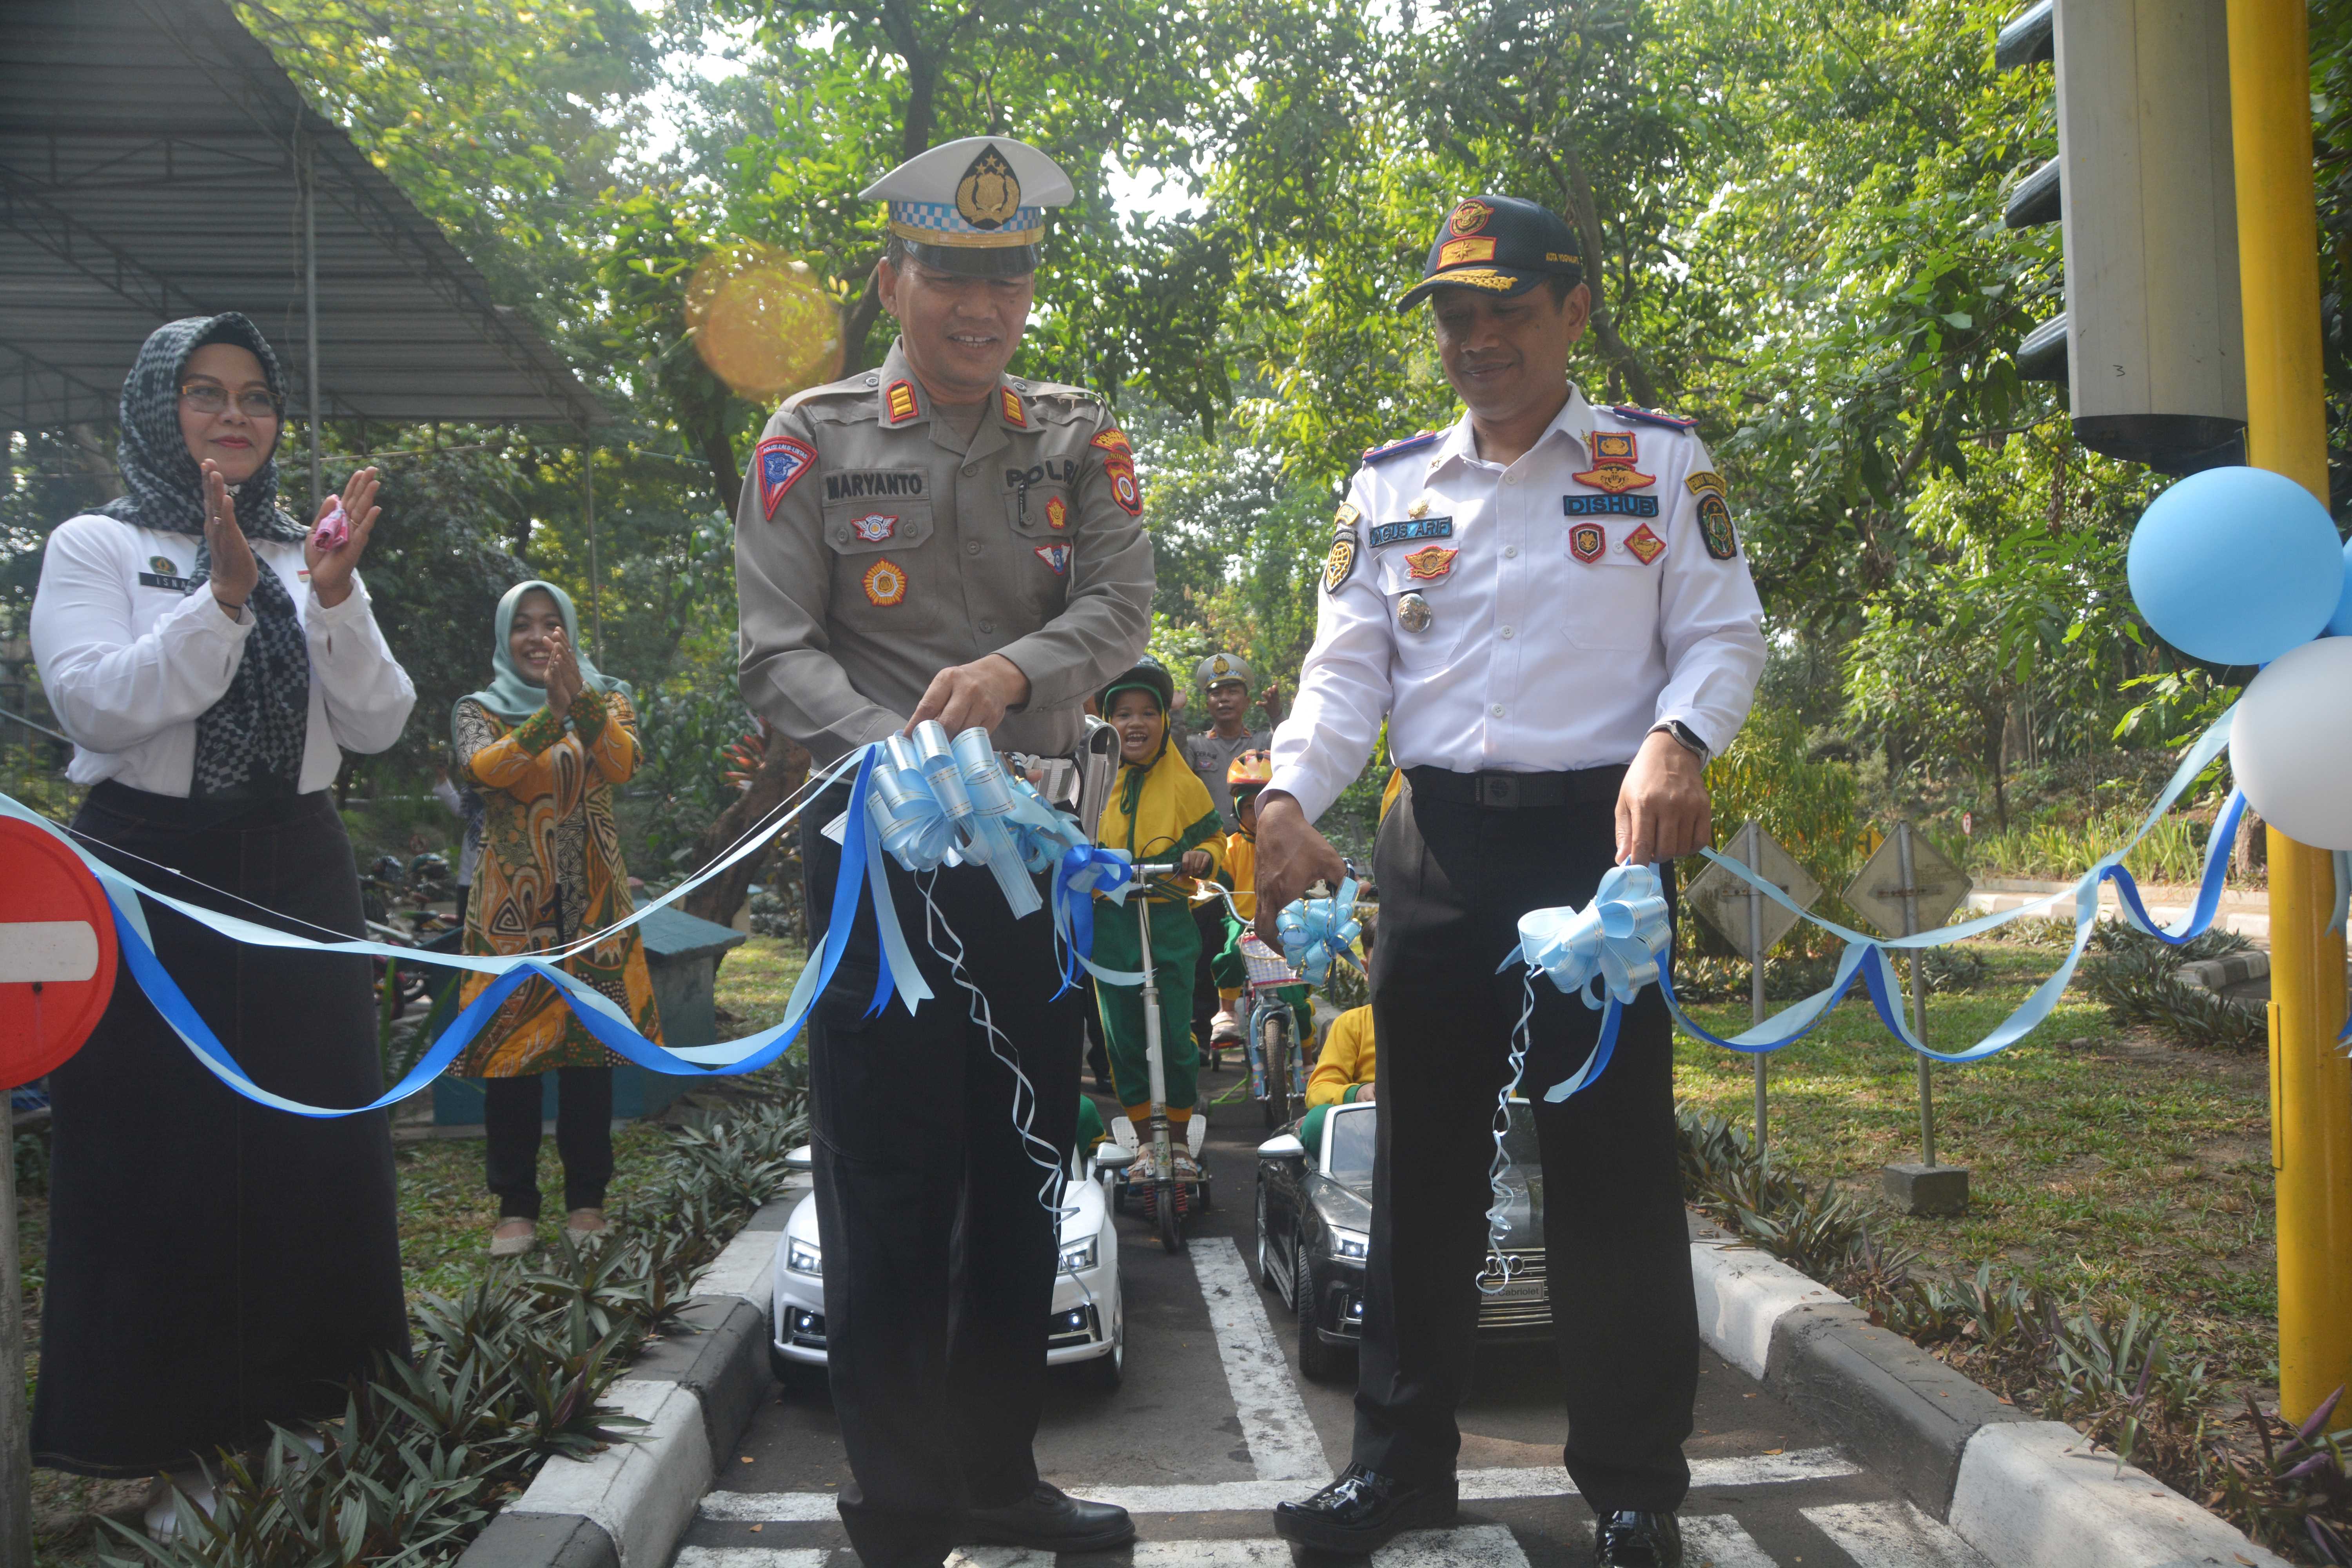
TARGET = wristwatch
x,y
1684,736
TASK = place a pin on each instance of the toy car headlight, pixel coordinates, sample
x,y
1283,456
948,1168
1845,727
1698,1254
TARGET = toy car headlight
x,y
1078,1255
804,1257
1349,1243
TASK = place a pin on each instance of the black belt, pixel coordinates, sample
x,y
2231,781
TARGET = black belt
x,y
1511,792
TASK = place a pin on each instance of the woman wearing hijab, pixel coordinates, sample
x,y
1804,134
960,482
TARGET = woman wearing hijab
x,y
215,1265
545,743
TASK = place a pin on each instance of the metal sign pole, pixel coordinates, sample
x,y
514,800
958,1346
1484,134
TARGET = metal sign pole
x,y
1751,853
1919,991
16,1436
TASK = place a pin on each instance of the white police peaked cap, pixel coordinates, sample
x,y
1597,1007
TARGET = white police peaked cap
x,y
976,206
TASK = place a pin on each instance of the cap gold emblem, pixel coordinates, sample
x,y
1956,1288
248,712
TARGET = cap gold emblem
x,y
989,194
1469,217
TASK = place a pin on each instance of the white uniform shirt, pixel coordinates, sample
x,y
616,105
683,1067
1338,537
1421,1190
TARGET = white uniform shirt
x,y
1574,602
128,660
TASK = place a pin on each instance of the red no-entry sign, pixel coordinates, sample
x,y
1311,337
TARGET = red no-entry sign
x,y
56,953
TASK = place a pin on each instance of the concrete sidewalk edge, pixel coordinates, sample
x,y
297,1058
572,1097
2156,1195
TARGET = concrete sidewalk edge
x,y
696,1388
2019,1491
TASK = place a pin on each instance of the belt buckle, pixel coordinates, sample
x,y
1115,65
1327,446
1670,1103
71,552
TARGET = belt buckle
x,y
1499,790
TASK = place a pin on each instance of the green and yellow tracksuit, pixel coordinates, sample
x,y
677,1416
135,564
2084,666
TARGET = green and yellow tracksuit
x,y
1159,810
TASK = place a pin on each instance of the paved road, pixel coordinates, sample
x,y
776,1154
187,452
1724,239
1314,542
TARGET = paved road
x,y
1215,1422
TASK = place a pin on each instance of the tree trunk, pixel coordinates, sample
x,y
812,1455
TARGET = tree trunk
x,y
718,456
783,768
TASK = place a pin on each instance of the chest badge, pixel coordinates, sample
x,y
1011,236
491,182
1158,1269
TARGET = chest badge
x,y
163,566
875,527
1587,540
1056,556
1715,527
1431,564
1414,614
1418,508
886,584
1644,545
1614,464
1057,512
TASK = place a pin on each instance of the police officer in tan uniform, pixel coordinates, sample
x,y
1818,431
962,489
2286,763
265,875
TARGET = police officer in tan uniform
x,y
936,540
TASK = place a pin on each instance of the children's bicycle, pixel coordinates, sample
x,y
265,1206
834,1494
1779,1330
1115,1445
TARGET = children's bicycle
x,y
1277,1067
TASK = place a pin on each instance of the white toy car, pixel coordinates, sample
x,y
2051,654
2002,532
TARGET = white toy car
x,y
1088,1325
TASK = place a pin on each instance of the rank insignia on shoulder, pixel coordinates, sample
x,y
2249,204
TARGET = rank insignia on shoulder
x,y
1614,464
1707,480
1644,545
885,582
1415,527
1347,516
1057,512
1057,556
1341,564
898,404
780,462
1586,541
1652,417
1381,453
1608,506
1715,527
1013,415
875,527
1428,565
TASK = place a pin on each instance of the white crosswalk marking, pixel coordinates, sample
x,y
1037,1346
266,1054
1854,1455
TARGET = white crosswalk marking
x,y
751,1557
1212,1554
1282,1440
1478,1546
999,1557
1892,1535
1715,1540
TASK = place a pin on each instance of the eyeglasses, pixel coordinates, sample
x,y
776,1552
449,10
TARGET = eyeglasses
x,y
209,397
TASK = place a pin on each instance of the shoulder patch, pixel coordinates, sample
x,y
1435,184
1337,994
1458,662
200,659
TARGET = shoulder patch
x,y
1652,417
1347,516
1715,527
780,462
1113,440
1381,453
1706,480
1341,564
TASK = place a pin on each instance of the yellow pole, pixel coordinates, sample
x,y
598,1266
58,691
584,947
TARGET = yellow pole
x,y
2311,1092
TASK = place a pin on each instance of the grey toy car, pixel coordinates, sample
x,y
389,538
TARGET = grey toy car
x,y
1314,1231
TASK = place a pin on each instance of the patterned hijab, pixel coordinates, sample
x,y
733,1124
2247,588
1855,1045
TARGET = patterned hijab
x,y
509,696
252,739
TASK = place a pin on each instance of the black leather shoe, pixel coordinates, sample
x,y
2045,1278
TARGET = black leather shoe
x,y
1630,1539
1363,1512
1051,1520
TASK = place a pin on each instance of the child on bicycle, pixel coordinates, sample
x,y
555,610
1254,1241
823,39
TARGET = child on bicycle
x,y
1246,777
1160,812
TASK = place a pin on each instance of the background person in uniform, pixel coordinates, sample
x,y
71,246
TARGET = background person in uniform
x,y
215,1266
935,540
1223,679
545,745
1548,601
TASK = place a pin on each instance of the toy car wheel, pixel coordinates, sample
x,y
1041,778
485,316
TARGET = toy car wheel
x,y
1321,1362
1104,1372
793,1377
1265,1243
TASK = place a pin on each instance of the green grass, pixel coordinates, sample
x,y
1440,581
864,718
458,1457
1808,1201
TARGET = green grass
x,y
2108,1164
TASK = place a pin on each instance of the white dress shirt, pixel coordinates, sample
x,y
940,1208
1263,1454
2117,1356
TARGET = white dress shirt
x,y
1532,659
130,660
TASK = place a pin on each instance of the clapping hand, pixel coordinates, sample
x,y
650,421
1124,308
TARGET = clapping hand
x,y
234,569
563,679
331,570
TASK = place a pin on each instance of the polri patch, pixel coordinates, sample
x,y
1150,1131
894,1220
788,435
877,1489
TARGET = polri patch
x,y
1057,556
1614,464
876,527
1428,565
1341,564
1644,545
1114,439
898,404
781,462
1414,528
1715,527
885,582
1123,487
1609,505
1586,541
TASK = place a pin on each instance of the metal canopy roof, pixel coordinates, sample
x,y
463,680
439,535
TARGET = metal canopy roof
x,y
152,158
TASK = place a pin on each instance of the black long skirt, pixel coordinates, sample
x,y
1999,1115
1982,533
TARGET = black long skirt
x,y
215,1266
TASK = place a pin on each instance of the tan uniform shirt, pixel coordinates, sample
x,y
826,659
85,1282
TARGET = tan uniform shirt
x,y
873,548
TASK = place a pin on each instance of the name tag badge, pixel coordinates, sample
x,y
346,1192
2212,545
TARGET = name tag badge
x,y
1414,528
158,580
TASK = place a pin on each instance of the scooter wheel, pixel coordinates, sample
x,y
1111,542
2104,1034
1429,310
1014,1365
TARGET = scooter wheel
x,y
1171,1226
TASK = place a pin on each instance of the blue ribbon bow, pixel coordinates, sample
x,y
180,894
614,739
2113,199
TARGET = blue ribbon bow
x,y
1604,952
1314,931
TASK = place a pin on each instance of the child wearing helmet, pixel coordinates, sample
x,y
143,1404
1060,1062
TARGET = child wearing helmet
x,y
1159,811
1246,777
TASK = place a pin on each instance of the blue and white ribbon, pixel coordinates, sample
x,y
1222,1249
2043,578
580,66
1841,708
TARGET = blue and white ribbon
x,y
1316,932
1604,952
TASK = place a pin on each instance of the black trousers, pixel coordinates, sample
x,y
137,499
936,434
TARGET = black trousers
x,y
1454,880
939,1259
512,1125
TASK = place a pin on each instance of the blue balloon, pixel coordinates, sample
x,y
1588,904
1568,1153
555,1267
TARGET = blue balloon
x,y
2236,565
2340,623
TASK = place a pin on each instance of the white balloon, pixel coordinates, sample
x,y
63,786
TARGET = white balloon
x,y
2291,743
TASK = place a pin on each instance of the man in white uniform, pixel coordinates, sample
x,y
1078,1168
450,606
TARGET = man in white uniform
x,y
1548,603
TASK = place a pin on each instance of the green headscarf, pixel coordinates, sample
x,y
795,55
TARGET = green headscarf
x,y
509,696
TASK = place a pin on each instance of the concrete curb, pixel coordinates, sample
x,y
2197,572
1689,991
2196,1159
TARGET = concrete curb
x,y
2017,1490
696,1388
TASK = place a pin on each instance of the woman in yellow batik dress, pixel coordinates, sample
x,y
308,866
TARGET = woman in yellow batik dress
x,y
545,743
